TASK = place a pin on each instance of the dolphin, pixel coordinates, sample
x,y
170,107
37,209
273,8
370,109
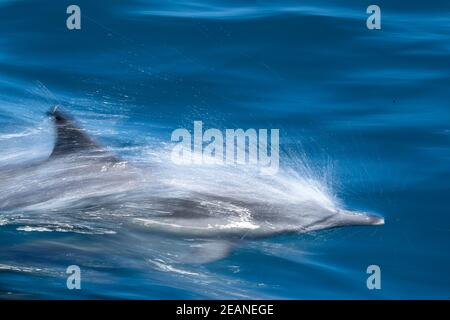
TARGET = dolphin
x,y
83,187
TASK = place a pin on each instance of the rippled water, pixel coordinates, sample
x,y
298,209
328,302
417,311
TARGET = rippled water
x,y
363,114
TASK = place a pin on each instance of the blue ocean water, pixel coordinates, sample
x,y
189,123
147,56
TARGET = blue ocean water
x,y
367,109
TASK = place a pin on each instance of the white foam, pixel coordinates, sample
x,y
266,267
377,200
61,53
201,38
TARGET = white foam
x,y
30,229
163,266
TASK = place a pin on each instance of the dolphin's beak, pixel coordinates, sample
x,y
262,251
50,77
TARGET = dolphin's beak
x,y
361,218
375,220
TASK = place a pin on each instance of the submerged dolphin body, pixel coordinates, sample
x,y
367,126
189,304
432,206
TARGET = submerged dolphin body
x,y
82,187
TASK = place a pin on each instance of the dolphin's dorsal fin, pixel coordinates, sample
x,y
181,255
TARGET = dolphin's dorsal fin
x,y
71,139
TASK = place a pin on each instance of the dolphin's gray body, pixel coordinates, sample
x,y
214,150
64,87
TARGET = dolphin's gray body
x,y
82,187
